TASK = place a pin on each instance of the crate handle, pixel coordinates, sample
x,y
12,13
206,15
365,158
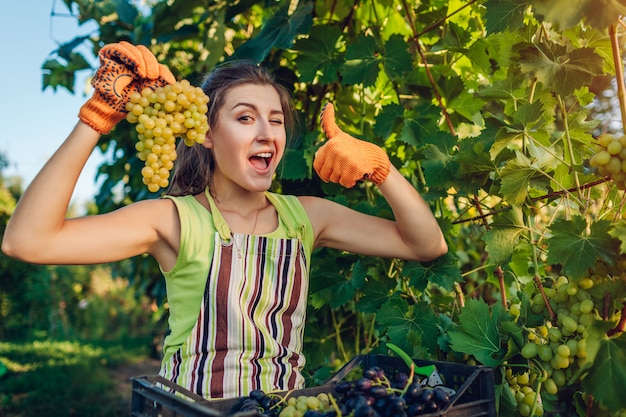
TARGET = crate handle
x,y
197,398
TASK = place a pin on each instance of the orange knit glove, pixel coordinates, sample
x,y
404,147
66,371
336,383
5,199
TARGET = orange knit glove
x,y
345,159
124,68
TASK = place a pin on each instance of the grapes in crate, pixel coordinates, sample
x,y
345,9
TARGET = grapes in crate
x,y
161,116
372,392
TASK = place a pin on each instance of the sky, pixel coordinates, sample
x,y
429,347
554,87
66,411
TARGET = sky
x,y
34,122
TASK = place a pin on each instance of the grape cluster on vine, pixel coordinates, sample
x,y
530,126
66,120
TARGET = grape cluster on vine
x,y
557,348
376,393
161,116
609,159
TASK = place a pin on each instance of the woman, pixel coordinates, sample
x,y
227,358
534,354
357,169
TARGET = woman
x,y
235,256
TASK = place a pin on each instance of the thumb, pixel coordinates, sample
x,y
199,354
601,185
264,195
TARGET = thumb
x,y
327,121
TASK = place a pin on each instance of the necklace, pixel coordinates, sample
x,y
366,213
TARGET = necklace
x,y
234,239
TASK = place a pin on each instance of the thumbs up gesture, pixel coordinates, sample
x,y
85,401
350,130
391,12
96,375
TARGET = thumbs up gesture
x,y
344,159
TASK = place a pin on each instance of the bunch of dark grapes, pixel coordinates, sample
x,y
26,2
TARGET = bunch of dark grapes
x,y
377,393
374,394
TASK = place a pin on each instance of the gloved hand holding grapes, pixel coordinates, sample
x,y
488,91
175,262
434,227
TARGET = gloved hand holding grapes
x,y
344,159
124,69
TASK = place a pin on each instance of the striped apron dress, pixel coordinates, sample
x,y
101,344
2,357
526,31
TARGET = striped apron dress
x,y
249,330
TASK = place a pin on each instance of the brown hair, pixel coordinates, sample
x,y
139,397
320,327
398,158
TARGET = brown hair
x,y
194,165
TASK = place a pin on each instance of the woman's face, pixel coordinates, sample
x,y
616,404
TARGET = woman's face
x,y
248,139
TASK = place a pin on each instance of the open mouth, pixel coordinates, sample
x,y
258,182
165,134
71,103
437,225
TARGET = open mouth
x,y
261,160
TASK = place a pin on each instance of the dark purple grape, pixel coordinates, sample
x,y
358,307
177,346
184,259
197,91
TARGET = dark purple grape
x,y
416,409
432,406
380,372
342,387
257,394
370,373
397,403
363,384
378,391
412,392
440,396
355,402
381,404
426,396
400,379
365,411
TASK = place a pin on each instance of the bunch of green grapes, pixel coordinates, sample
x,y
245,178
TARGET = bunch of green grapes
x,y
560,346
298,406
161,116
609,159
521,386
274,405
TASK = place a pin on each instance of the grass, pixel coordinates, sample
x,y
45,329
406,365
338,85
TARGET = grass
x,y
64,378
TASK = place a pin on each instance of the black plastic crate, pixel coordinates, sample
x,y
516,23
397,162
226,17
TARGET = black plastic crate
x,y
474,386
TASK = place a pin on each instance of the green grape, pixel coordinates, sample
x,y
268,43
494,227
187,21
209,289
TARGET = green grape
x,y
545,353
550,386
529,350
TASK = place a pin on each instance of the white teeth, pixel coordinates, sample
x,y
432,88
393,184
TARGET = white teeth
x,y
264,155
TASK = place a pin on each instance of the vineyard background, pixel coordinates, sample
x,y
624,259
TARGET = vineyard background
x,y
492,109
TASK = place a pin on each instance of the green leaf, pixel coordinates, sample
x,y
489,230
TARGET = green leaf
x,y
466,104
397,59
558,69
403,319
478,333
277,32
418,124
389,117
294,165
442,272
362,59
618,231
376,292
502,238
502,15
516,176
577,249
607,375
318,54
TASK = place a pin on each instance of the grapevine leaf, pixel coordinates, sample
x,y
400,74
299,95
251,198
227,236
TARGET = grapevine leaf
x,y
502,15
397,59
466,104
607,376
362,58
434,167
277,32
478,332
507,403
502,238
567,13
442,272
563,13
386,121
576,249
618,231
475,166
294,165
403,319
516,176
318,56
375,294
418,124
558,69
